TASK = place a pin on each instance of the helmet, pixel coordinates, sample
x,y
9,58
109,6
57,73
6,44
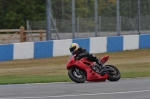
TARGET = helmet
x,y
73,47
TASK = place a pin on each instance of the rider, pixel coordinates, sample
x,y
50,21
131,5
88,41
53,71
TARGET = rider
x,y
81,52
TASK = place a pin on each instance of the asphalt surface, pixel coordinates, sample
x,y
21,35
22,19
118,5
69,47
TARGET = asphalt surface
x,y
136,88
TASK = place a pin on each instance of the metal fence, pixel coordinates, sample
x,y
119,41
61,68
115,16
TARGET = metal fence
x,y
107,22
85,27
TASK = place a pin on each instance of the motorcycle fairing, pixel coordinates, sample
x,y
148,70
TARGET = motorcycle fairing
x,y
86,65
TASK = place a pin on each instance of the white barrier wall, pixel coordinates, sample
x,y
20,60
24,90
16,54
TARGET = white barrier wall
x,y
98,44
130,42
23,50
61,47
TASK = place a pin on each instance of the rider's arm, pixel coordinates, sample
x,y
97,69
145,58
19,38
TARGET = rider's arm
x,y
82,53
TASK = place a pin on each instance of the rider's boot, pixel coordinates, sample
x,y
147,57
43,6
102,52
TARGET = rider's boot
x,y
102,68
100,64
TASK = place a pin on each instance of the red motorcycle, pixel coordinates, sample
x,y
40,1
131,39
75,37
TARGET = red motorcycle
x,y
83,70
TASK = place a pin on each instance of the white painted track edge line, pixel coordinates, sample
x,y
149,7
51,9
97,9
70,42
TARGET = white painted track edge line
x,y
77,95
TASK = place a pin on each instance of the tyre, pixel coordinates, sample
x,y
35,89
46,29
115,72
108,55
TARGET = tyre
x,y
113,75
77,75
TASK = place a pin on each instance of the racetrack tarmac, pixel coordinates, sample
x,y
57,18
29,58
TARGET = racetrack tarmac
x,y
135,88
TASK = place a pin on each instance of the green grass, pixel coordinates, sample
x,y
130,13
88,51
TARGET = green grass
x,y
134,63
32,79
13,79
134,74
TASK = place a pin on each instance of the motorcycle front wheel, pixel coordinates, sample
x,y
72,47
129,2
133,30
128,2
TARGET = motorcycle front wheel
x,y
114,74
77,75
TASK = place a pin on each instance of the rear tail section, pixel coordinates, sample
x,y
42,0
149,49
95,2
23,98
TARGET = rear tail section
x,y
104,59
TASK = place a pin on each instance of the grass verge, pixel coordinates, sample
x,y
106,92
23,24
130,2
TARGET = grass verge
x,y
13,79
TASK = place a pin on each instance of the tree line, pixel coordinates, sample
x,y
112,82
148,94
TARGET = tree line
x,y
14,13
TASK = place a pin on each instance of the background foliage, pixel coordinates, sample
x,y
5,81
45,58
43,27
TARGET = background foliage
x,y
14,13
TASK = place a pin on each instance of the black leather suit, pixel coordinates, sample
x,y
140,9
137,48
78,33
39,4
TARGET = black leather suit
x,y
81,52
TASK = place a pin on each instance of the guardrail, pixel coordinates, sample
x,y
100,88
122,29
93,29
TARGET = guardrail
x,y
52,48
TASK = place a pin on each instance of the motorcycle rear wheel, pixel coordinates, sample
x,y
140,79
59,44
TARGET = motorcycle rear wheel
x,y
77,75
115,75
